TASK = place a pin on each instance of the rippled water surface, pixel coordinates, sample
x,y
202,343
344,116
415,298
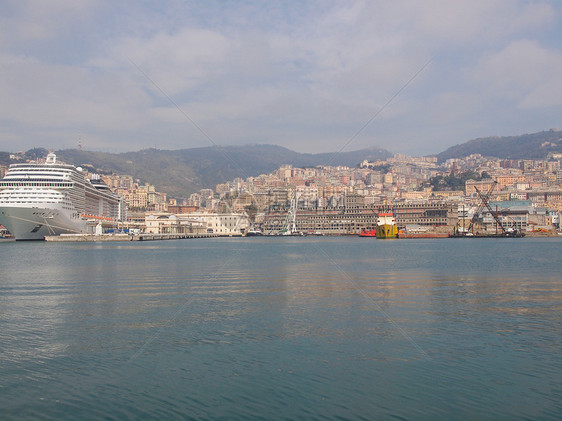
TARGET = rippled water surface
x,y
282,328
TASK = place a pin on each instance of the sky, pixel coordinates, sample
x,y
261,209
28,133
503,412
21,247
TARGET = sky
x,y
413,77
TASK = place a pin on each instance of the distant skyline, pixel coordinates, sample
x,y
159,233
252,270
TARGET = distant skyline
x,y
124,76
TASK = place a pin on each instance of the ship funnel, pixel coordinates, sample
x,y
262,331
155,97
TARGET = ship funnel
x,y
51,159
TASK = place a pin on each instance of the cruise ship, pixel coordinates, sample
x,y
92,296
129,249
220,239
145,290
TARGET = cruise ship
x,y
37,200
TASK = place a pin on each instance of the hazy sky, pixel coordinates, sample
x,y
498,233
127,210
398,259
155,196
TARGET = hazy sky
x,y
306,75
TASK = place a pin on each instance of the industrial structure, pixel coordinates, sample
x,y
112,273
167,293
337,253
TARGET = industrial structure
x,y
353,217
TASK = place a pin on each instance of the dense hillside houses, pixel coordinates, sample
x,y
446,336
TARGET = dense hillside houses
x,y
423,193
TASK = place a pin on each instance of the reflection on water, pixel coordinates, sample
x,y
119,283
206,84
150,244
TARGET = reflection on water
x,y
282,328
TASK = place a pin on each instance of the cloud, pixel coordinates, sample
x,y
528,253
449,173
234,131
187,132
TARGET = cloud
x,y
28,21
524,72
178,61
52,105
469,23
306,75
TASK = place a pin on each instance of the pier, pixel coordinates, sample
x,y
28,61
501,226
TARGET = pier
x,y
126,237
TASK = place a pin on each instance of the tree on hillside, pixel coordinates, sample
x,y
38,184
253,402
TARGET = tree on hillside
x,y
4,158
455,182
36,153
383,168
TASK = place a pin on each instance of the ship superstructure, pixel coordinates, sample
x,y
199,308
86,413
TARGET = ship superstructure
x,y
386,224
52,198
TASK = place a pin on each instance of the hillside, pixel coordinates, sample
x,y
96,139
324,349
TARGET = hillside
x,y
4,158
181,172
527,146
184,171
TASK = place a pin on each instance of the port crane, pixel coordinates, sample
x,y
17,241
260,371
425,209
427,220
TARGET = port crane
x,y
290,224
484,199
486,203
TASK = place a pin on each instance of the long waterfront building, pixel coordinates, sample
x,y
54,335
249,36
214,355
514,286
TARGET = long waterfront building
x,y
355,216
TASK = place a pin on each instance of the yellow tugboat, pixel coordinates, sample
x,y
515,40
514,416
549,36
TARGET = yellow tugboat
x,y
386,225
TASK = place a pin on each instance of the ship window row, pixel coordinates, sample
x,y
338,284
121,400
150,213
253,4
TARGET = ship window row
x,y
28,175
40,169
31,193
34,198
36,182
31,201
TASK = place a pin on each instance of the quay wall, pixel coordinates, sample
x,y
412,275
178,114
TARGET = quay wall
x,y
125,237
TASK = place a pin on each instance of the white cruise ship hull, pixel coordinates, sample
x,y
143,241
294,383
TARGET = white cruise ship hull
x,y
34,223
37,200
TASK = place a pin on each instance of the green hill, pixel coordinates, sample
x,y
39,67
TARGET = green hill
x,y
4,158
527,146
184,171
181,172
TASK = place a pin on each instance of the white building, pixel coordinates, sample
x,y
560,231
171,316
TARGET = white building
x,y
222,223
228,224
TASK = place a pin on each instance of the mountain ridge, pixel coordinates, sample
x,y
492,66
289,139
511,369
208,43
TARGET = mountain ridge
x,y
184,171
527,146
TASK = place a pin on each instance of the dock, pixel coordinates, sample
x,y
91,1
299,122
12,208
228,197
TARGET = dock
x,y
125,237
408,235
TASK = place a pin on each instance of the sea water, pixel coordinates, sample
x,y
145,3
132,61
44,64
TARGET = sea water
x,y
282,328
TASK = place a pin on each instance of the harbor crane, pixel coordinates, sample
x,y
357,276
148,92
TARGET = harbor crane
x,y
484,199
290,224
486,203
